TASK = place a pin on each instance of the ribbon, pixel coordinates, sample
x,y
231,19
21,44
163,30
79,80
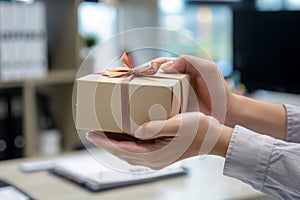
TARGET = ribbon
x,y
128,72
127,69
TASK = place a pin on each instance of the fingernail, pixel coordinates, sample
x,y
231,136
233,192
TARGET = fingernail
x,y
139,133
167,65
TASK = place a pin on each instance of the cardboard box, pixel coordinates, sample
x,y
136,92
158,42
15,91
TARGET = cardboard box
x,y
99,105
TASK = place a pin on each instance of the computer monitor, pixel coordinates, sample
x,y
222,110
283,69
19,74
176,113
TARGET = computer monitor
x,y
267,48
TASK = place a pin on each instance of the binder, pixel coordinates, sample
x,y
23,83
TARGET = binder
x,y
4,126
11,127
7,30
23,40
37,47
16,112
6,17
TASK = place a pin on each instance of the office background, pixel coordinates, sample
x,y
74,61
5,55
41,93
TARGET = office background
x,y
43,43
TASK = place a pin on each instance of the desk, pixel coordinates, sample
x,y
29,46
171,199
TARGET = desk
x,y
205,181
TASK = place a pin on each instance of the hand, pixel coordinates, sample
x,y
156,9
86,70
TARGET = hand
x,y
182,136
211,94
215,98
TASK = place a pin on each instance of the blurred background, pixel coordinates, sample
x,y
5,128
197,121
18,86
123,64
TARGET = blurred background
x,y
255,44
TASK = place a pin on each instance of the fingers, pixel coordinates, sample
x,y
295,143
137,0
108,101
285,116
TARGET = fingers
x,y
158,128
163,60
185,64
99,139
175,66
117,147
185,141
171,65
189,65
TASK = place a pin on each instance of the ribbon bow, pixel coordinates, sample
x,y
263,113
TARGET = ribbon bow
x,y
127,69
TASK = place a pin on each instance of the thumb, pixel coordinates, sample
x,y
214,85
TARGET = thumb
x,y
156,129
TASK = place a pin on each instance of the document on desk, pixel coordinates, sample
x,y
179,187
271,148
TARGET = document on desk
x,y
11,192
88,172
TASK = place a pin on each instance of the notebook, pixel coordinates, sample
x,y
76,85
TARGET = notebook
x,y
84,170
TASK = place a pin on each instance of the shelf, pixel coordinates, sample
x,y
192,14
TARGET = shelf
x,y
64,44
62,80
52,78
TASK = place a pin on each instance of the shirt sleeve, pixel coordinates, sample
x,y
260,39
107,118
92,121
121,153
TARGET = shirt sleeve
x,y
293,123
267,164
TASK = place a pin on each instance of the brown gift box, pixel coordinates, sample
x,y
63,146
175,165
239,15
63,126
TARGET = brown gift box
x,y
99,106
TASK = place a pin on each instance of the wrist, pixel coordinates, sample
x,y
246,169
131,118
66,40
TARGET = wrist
x,y
221,147
234,109
223,135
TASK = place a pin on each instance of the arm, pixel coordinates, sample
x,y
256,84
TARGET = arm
x,y
278,121
265,118
267,164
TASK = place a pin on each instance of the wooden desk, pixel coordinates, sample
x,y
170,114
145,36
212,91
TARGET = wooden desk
x,y
205,181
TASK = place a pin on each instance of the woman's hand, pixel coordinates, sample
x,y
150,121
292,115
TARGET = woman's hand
x,y
182,136
211,94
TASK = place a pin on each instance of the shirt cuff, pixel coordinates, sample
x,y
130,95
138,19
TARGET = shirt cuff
x,y
293,123
248,156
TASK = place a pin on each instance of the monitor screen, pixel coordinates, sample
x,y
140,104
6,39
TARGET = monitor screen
x,y
267,49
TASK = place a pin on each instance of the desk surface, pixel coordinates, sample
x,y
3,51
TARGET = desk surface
x,y
205,181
